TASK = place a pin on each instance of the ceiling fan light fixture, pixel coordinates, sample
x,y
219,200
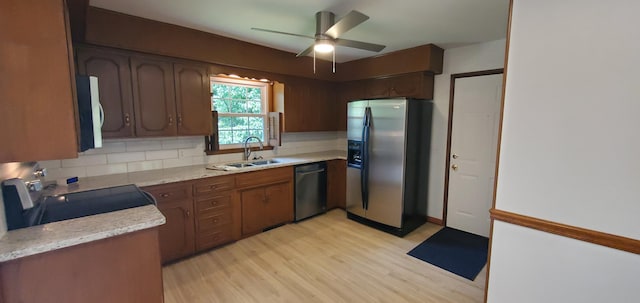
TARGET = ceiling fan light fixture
x,y
324,46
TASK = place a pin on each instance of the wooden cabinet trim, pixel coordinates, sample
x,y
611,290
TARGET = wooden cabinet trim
x,y
264,177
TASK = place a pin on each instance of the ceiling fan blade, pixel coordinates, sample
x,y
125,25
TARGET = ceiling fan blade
x,y
279,32
361,45
351,20
306,51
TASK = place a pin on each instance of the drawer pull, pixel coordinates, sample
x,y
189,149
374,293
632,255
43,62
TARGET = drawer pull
x,y
187,213
165,195
214,203
212,187
215,220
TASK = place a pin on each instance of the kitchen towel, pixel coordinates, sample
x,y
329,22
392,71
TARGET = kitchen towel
x,y
457,251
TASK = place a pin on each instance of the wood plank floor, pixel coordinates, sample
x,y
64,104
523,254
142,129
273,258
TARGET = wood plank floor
x,y
324,259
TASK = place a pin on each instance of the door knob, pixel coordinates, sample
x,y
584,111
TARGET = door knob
x,y
454,156
454,167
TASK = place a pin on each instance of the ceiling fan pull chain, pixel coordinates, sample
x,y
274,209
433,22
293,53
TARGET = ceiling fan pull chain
x,y
314,61
334,60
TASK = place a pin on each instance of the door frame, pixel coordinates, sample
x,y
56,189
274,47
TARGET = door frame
x,y
450,127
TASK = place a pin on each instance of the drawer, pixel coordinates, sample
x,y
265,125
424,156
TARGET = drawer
x,y
213,203
264,177
214,185
213,220
170,192
214,238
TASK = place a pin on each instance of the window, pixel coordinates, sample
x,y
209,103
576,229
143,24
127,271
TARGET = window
x,y
242,110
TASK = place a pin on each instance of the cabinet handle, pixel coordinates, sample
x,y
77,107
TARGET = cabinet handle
x,y
212,187
165,195
127,120
187,213
170,120
214,203
179,120
215,220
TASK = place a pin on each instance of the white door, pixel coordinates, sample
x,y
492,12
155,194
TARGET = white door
x,y
474,142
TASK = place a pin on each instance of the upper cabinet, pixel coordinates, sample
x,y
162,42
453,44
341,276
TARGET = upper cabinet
x,y
145,96
193,99
417,85
112,70
309,105
37,83
153,97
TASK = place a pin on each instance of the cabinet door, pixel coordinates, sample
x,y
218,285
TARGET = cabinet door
x,y
177,235
377,88
253,211
279,203
37,82
347,91
193,99
336,183
114,80
153,97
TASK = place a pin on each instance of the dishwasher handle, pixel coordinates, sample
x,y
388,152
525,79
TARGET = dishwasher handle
x,y
311,172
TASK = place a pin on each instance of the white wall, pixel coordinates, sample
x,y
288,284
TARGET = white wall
x,y
528,266
476,57
131,155
569,152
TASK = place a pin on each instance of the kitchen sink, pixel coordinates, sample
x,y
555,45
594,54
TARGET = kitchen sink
x,y
253,163
264,162
240,165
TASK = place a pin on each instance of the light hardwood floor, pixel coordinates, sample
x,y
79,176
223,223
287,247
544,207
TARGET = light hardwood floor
x,y
324,259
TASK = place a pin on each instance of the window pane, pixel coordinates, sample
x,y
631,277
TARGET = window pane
x,y
256,122
225,123
226,137
240,123
254,107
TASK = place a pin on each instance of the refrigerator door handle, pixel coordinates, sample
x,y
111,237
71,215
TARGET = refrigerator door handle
x,y
364,171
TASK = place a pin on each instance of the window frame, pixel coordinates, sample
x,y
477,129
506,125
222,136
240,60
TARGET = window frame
x,y
265,88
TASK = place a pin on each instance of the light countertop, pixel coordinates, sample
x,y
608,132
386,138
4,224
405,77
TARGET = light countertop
x,y
186,173
43,238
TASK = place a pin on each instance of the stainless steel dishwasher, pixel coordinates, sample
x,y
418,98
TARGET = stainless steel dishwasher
x,y
310,190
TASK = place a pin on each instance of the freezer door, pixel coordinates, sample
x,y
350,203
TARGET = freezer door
x,y
355,113
387,161
354,196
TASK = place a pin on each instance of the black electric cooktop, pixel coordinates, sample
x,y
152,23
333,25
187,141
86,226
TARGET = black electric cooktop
x,y
87,203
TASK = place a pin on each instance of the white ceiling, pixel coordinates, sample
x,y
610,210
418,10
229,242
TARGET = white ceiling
x,y
398,24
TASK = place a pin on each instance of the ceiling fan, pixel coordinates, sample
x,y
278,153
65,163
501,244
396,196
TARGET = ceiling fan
x,y
328,32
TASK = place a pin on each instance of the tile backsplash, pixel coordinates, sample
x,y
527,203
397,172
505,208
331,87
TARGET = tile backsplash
x,y
131,155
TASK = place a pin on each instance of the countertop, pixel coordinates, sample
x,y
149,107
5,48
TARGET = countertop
x,y
43,238
186,173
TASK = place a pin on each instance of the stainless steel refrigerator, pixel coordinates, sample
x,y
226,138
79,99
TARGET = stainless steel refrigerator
x,y
388,163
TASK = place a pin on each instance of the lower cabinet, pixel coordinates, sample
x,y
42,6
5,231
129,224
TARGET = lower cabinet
x,y
123,269
214,206
177,234
336,184
210,212
266,198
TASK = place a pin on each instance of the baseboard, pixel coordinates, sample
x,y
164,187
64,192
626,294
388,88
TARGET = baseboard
x,y
435,221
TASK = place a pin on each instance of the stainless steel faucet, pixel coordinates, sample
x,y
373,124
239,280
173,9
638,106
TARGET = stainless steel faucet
x,y
247,149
